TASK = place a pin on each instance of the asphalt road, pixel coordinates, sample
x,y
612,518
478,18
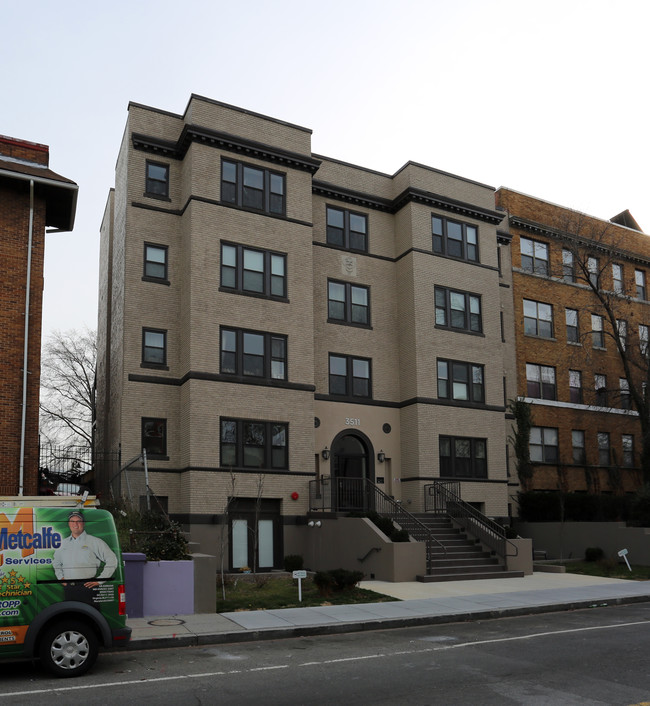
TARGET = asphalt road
x,y
595,656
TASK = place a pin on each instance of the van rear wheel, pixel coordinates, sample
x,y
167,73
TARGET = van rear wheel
x,y
68,649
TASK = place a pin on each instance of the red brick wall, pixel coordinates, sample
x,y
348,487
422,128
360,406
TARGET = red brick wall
x,y
14,231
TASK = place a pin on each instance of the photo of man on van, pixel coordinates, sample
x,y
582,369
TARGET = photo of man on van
x,y
77,561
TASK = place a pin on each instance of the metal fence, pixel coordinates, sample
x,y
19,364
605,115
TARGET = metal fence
x,y
68,466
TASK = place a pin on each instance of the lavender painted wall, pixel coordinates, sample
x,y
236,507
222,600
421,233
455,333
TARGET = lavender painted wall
x,y
168,588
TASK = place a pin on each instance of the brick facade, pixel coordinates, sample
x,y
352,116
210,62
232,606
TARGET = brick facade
x,y
53,202
553,229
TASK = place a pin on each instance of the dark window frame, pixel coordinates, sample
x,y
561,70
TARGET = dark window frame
x,y
347,233
640,287
472,322
597,334
149,361
544,389
568,266
160,450
540,323
348,304
156,187
532,262
453,376
572,331
239,272
604,449
240,194
147,275
628,454
549,452
578,451
239,355
575,391
450,465
442,243
239,446
349,377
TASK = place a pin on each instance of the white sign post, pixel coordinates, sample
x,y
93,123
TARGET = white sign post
x,y
300,575
623,553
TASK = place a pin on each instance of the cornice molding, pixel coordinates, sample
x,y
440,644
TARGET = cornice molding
x,y
223,141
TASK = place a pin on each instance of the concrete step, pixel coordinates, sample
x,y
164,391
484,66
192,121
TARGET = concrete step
x,y
465,562
470,576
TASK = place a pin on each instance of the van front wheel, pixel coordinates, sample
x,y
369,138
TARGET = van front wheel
x,y
68,649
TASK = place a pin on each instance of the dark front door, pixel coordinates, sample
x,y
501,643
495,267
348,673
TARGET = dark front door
x,y
350,471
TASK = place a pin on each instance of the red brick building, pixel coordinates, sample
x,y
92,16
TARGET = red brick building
x,y
32,198
580,289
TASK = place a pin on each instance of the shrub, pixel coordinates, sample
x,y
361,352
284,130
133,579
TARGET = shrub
x,y
149,532
594,554
385,524
336,580
293,562
400,536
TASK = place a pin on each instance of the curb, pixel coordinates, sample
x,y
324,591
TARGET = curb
x,y
147,643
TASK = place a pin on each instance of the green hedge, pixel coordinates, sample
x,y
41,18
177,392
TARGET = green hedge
x,y
537,506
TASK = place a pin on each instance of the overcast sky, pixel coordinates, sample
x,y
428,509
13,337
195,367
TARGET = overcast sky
x,y
549,98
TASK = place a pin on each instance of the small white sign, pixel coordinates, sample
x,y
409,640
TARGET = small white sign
x,y
300,574
623,552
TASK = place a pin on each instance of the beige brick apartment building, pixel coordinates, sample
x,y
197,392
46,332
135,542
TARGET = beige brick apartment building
x,y
32,198
580,293
275,323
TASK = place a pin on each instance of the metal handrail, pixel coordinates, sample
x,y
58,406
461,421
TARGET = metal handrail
x,y
438,496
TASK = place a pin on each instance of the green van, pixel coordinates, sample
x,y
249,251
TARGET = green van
x,y
61,582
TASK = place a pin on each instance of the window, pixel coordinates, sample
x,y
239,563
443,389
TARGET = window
x,y
458,310
252,187
593,271
346,229
348,302
463,457
540,381
643,339
617,278
538,319
572,332
154,347
621,328
251,444
251,271
253,354
349,376
154,436
534,256
454,239
543,445
157,180
601,390
462,382
155,261
575,386
597,335
603,449
624,392
568,266
578,444
628,450
639,280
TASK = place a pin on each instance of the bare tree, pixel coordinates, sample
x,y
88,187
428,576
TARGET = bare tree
x,y
67,387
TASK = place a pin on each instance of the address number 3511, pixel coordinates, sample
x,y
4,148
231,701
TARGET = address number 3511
x,y
353,422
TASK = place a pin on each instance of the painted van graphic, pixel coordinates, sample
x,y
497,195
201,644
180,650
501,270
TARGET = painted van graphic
x,y
58,561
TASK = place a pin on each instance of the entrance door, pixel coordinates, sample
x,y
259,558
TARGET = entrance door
x,y
350,469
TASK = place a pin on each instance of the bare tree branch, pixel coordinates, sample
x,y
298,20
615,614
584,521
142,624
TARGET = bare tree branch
x,y
67,387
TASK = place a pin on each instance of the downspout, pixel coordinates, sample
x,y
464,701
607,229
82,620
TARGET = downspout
x,y
23,423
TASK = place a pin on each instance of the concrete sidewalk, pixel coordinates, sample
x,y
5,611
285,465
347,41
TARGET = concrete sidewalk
x,y
417,604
